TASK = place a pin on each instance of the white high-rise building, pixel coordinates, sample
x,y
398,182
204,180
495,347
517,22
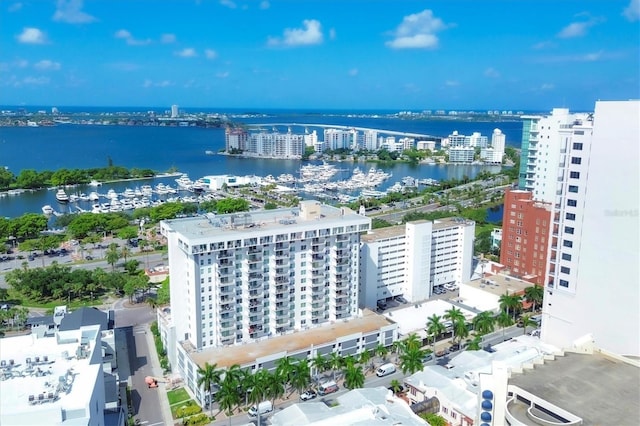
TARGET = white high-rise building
x,y
495,153
241,277
174,111
370,140
409,260
461,154
277,145
592,292
340,139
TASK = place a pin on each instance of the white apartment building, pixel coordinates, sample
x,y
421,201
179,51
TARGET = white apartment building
x,y
426,145
495,153
409,260
461,154
311,140
277,145
240,277
340,139
370,140
592,291
174,111
236,139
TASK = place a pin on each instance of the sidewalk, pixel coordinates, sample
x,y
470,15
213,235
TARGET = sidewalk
x,y
158,372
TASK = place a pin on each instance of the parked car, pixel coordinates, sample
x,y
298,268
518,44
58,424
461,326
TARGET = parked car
x,y
427,358
454,347
442,352
307,395
89,257
262,408
327,388
401,299
385,369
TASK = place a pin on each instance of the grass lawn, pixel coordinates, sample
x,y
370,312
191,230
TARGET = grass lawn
x,y
177,395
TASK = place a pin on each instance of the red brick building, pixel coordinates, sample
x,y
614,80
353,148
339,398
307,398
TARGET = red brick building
x,y
525,236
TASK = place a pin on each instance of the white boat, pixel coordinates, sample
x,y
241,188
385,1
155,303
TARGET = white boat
x,y
146,190
129,193
95,183
199,185
93,196
184,182
62,196
112,195
48,210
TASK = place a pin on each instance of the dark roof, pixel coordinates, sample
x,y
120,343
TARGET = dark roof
x,y
82,317
44,320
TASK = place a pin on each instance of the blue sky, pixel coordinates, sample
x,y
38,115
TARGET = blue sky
x,y
312,54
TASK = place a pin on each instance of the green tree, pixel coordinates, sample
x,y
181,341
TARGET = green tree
x,y
285,369
534,295
411,360
353,377
232,205
335,362
483,323
511,303
319,363
503,320
435,327
474,344
112,255
527,322
434,419
454,315
381,352
208,377
228,397
395,385
365,359
301,378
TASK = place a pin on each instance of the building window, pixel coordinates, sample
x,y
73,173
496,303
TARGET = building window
x,y
566,256
564,283
567,243
576,160
574,175
565,270
568,230
572,203
570,216
573,188
577,146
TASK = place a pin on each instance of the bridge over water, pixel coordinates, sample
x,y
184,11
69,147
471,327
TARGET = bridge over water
x,y
335,126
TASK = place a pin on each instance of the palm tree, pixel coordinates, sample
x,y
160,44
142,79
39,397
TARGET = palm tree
x,y
460,330
435,327
125,252
381,351
503,320
534,295
527,322
483,323
411,360
319,363
474,345
454,315
364,358
510,303
112,255
275,387
395,385
335,362
397,347
208,376
412,342
285,369
353,377
301,378
228,397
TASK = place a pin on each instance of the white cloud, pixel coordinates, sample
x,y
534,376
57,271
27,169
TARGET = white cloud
x,y
228,3
150,83
210,54
168,38
187,52
35,81
126,35
70,11
581,57
632,12
491,73
32,36
15,7
264,4
332,34
543,45
417,31
353,72
21,63
452,83
47,65
164,83
547,86
311,33
223,74
579,29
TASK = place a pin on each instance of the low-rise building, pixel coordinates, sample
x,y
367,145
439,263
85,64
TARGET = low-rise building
x,y
461,154
377,406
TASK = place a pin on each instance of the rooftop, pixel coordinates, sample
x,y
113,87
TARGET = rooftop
x,y
42,377
357,407
599,389
243,354
500,284
249,223
399,230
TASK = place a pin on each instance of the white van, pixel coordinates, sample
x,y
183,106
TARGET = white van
x,y
385,369
327,388
262,408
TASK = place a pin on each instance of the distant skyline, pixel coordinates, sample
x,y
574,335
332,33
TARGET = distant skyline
x,y
324,54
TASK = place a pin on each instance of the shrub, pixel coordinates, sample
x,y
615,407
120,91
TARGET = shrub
x,y
188,410
200,419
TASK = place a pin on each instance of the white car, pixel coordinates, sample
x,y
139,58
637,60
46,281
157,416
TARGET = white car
x,y
309,394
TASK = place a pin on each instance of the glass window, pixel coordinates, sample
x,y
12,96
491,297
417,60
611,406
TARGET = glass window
x,y
571,216
566,256
574,175
576,160
567,243
577,146
565,270
573,188
572,203
564,283
568,230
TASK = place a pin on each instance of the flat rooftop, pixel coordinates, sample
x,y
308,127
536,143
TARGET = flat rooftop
x,y
249,223
398,230
243,354
20,379
499,284
599,389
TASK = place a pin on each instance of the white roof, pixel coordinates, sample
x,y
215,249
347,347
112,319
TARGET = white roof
x,y
22,380
359,407
413,318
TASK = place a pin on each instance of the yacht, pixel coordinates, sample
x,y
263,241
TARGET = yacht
x,y
146,190
184,182
95,183
199,185
62,196
93,196
111,194
129,193
48,210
